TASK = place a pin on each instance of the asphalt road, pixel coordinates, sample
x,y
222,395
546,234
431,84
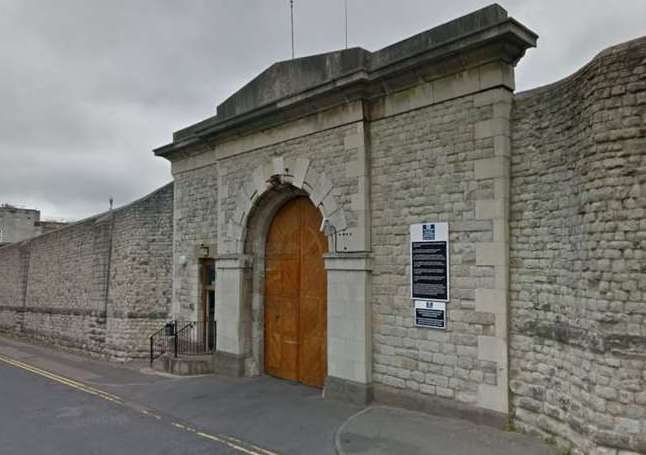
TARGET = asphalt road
x,y
55,402
39,415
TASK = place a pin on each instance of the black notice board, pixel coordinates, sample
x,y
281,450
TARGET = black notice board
x,y
428,317
429,274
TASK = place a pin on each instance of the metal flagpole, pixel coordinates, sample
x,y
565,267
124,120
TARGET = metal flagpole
x,y
346,24
291,18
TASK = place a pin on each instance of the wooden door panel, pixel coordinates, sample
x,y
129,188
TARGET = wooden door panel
x,y
295,295
312,352
282,279
272,340
313,296
281,294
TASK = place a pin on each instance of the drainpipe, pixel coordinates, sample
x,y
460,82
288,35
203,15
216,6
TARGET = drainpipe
x,y
109,266
25,253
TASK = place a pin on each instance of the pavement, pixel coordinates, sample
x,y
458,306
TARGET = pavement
x,y
381,430
60,402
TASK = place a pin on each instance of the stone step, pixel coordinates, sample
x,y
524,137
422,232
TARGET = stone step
x,y
185,365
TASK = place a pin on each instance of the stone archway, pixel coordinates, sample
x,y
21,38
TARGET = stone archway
x,y
280,172
241,246
257,226
240,280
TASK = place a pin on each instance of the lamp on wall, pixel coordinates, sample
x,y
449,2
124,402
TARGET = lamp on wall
x,y
204,251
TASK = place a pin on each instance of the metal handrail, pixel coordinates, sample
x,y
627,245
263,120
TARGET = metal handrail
x,y
195,337
187,338
158,344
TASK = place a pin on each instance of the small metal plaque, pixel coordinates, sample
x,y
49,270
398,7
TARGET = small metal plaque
x,y
430,314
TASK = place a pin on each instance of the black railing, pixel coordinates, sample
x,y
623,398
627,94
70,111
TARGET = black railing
x,y
159,343
194,337
183,338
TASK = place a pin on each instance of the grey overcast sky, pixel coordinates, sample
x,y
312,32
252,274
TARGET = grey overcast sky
x,y
88,88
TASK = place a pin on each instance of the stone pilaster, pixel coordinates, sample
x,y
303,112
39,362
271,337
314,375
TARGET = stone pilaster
x,y
231,286
356,144
493,347
349,327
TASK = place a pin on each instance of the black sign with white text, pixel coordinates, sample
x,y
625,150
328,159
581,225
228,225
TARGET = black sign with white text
x,y
429,270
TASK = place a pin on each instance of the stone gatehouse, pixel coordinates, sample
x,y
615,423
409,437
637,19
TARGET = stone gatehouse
x,y
374,142
296,203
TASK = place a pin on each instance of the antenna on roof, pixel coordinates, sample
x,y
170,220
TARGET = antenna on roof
x,y
291,19
346,24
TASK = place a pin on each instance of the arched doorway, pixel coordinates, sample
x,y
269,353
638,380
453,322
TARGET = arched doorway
x,y
296,295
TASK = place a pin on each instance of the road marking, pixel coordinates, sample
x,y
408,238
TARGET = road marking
x,y
150,414
230,444
228,441
66,381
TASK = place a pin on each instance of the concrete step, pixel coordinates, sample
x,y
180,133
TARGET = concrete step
x,y
184,365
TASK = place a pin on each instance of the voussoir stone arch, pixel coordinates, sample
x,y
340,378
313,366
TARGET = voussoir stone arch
x,y
297,172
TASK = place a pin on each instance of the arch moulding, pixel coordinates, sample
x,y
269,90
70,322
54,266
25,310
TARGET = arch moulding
x,y
296,172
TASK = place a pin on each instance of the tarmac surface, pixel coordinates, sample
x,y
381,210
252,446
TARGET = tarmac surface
x,y
385,430
39,416
56,402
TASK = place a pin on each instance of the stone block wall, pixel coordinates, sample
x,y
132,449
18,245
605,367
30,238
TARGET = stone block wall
x,y
578,256
444,162
196,220
101,285
13,265
78,256
141,261
212,191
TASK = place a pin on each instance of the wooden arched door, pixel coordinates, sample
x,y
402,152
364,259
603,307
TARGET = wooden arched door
x,y
296,295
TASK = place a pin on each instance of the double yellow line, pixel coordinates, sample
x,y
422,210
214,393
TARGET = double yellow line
x,y
228,441
60,379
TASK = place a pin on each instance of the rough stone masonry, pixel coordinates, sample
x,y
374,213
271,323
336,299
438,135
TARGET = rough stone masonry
x,y
100,285
544,193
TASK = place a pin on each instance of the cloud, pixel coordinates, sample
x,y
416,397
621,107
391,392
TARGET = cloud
x,y
90,87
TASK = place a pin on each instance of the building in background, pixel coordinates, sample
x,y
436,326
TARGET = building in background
x,y
17,224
